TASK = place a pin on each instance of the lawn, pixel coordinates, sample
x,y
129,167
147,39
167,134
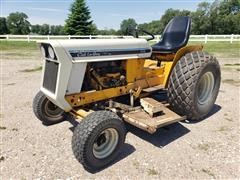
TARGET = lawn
x,y
18,50
17,45
220,49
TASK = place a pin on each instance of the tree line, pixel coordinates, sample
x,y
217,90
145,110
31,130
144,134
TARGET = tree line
x,y
219,17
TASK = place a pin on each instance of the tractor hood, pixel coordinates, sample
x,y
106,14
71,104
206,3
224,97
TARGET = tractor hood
x,y
89,50
65,62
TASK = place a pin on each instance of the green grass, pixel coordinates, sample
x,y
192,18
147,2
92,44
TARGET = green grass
x,y
204,146
152,172
207,171
13,50
235,64
17,45
222,49
32,70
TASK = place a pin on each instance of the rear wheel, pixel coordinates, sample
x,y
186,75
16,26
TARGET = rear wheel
x,y
46,111
194,84
98,139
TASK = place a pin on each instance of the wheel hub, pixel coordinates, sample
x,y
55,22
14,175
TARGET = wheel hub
x,y
52,110
101,139
205,87
105,143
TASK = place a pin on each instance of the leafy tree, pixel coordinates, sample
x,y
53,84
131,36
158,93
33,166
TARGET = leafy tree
x,y
157,26
35,29
44,29
17,23
127,23
57,30
78,22
94,29
154,27
3,26
227,17
171,13
201,19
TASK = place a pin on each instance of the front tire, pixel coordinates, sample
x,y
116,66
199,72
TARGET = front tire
x,y
98,139
46,111
194,85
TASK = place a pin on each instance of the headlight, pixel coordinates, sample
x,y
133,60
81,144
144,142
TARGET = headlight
x,y
43,51
51,52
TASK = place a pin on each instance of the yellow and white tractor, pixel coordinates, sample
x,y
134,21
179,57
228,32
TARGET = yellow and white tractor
x,y
108,83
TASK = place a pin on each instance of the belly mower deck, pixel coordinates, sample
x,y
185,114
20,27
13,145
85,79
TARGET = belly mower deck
x,y
152,116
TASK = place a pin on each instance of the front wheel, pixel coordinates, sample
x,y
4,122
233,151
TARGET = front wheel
x,y
194,85
46,111
98,139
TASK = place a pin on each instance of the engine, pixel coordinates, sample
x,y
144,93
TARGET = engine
x,y
103,75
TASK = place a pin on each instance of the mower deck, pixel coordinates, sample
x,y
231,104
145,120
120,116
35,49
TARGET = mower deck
x,y
153,116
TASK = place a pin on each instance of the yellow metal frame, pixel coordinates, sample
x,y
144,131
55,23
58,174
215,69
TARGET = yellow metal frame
x,y
140,74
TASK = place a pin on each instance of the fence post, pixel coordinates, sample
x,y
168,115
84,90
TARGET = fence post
x,y
90,36
28,38
69,36
7,37
48,37
206,37
231,40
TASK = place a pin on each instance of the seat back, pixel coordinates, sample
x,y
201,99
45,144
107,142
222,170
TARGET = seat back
x,y
177,31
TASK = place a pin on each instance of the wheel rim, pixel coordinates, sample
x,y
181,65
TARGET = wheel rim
x,y
205,87
52,111
105,143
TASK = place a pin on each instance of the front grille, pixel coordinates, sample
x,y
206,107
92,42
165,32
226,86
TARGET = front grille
x,y
50,76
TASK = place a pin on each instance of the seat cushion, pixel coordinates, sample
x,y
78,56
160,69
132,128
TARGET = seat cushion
x,y
160,47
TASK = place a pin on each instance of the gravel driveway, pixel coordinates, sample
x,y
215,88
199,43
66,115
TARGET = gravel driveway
x,y
204,149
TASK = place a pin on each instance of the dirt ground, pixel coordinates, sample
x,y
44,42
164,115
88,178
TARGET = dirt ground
x,y
206,149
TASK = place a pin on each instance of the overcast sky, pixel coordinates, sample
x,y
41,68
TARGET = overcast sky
x,y
105,13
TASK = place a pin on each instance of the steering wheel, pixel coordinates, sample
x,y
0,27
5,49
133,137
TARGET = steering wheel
x,y
134,32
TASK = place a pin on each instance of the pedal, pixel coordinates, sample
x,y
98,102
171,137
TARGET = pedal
x,y
151,106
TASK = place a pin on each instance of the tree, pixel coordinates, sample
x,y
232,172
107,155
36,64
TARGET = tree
x,y
127,23
226,17
78,22
45,29
171,13
18,24
220,17
57,30
3,26
201,19
154,27
35,29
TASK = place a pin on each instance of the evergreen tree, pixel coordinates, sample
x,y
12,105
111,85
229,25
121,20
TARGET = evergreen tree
x,y
3,26
79,20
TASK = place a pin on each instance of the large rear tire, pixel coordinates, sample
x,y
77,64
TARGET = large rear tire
x,y
98,139
46,111
194,85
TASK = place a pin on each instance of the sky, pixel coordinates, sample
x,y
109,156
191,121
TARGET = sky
x,y
106,14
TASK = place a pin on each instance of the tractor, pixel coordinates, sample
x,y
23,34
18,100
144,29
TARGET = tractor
x,y
109,84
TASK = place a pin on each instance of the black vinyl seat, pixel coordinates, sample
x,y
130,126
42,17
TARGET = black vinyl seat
x,y
175,35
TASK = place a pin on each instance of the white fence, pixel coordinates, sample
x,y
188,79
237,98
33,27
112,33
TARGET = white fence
x,y
202,38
